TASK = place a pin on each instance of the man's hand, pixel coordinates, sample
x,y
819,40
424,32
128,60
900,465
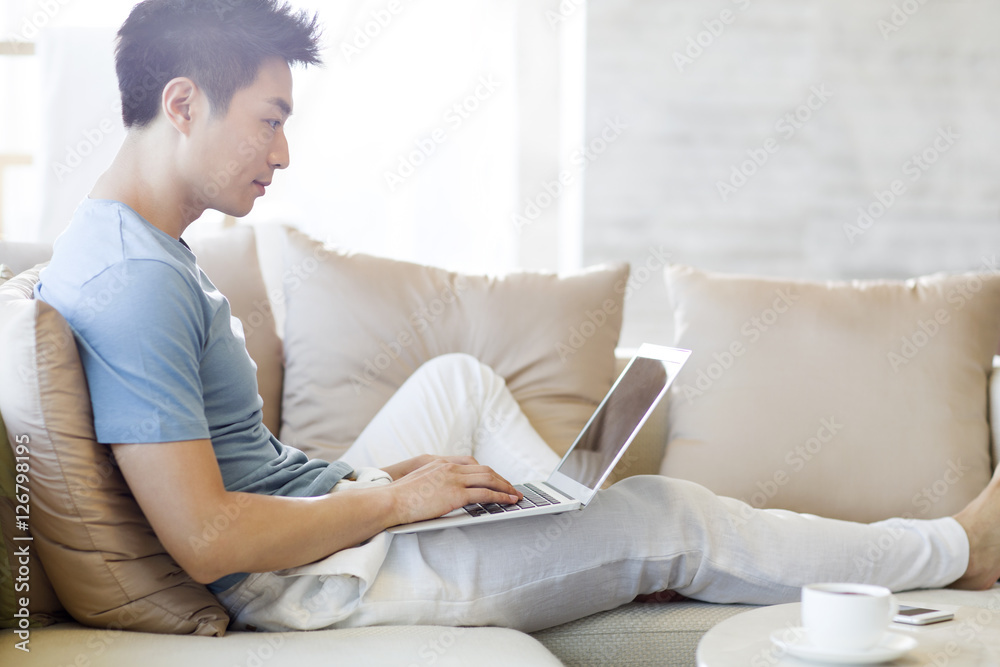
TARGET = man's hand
x,y
436,485
403,468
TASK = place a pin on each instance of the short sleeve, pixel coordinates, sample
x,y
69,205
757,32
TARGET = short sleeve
x,y
141,329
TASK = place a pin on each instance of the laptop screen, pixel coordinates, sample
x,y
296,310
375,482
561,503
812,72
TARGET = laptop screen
x,y
616,419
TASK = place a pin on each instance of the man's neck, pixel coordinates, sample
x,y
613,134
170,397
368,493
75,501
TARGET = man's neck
x,y
141,179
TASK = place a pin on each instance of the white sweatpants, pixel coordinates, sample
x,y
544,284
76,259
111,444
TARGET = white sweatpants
x,y
645,534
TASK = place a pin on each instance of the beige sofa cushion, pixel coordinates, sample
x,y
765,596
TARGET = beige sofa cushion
x,y
357,326
229,259
858,400
69,645
105,563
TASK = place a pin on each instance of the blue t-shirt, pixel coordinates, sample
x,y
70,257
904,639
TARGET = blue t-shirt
x,y
165,359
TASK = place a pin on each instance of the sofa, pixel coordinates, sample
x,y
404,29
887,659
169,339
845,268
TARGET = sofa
x,y
754,417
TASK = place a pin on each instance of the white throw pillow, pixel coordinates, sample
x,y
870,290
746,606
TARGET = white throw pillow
x,y
857,400
357,326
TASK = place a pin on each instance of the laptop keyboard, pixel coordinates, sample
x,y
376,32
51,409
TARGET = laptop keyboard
x,y
533,497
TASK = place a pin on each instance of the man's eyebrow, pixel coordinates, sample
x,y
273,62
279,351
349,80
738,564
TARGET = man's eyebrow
x,y
285,107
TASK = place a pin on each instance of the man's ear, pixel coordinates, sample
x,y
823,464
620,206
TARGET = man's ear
x,y
178,102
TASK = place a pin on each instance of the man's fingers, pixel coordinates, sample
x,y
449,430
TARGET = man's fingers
x,y
483,495
489,480
480,475
463,460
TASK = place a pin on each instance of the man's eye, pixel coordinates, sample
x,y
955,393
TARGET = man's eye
x,y
274,124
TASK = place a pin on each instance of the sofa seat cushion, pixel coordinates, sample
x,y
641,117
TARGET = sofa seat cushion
x,y
640,634
855,400
357,326
72,644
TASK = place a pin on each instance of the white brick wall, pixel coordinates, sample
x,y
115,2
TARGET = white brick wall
x,y
891,94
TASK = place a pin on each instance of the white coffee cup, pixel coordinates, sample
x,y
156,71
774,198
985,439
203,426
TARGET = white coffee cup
x,y
846,616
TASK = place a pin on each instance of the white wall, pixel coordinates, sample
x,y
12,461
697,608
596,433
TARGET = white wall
x,y
891,91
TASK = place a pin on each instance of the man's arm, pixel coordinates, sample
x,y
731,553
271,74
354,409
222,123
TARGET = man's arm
x,y
179,487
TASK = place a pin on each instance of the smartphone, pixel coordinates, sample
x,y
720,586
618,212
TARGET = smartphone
x,y
921,615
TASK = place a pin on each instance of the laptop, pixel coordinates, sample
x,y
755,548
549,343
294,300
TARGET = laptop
x,y
595,452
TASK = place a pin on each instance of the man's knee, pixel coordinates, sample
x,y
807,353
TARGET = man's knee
x,y
664,491
457,366
451,360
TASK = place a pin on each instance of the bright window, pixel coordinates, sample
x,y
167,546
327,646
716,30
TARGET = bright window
x,y
409,143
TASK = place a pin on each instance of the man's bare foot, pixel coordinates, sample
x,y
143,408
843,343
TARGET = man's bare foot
x,y
981,521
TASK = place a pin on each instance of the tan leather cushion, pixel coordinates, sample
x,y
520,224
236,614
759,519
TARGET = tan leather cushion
x,y
858,400
21,571
22,575
229,259
357,326
104,560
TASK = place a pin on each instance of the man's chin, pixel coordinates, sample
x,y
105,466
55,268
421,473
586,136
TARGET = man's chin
x,y
235,211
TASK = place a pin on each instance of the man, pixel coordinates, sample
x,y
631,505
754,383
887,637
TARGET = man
x,y
174,395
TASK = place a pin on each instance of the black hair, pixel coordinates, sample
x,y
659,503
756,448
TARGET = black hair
x,y
218,44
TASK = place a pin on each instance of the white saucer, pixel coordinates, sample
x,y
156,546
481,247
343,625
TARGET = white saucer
x,y
891,646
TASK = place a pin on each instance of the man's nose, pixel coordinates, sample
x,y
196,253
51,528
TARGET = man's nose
x,y
278,157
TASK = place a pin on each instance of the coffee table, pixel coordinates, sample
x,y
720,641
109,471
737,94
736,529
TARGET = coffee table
x,y
972,639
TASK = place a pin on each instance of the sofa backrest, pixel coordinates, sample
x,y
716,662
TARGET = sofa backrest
x,y
22,256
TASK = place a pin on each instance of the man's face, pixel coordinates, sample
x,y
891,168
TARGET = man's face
x,y
236,154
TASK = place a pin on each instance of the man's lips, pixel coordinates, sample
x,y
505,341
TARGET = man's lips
x,y
261,186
